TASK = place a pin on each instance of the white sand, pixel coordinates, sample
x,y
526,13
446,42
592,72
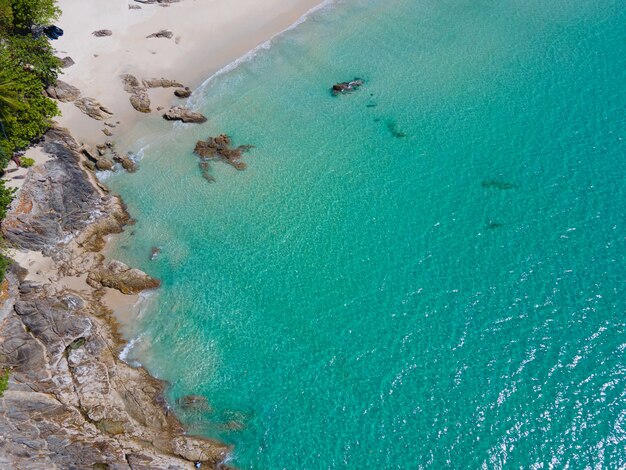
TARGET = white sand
x,y
14,176
208,35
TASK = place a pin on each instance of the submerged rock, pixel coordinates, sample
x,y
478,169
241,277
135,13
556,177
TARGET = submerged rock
x,y
219,148
346,87
180,113
154,253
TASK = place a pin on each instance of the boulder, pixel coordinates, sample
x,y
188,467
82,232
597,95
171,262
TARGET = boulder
x,y
104,164
140,100
93,108
219,148
183,92
127,163
180,113
117,275
346,87
63,91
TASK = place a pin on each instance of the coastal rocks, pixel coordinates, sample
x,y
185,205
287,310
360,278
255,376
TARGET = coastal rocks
x,y
219,148
63,91
57,198
180,113
346,87
93,108
117,275
138,89
104,164
71,402
140,101
164,33
149,2
102,33
194,402
127,163
183,92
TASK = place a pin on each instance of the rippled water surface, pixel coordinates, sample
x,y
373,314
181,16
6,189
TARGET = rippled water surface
x,y
429,272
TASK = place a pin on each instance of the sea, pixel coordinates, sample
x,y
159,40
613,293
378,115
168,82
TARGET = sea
x,y
426,272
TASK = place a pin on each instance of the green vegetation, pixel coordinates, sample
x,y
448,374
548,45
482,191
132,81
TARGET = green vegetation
x,y
26,162
27,67
4,382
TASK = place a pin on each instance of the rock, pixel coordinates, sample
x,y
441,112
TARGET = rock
x,y
102,33
180,113
160,83
134,7
104,164
93,109
219,148
131,83
346,87
128,164
117,275
67,62
154,253
140,101
183,92
157,1
194,402
164,33
57,198
63,91
107,132
102,149
160,108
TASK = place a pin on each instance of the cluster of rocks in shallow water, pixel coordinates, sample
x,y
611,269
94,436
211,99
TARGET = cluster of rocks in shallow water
x,y
71,402
219,149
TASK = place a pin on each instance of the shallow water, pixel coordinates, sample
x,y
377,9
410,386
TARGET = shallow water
x,y
429,272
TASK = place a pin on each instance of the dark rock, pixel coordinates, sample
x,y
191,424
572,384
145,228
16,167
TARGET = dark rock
x,y
164,33
102,33
219,148
154,253
194,402
346,87
127,163
183,92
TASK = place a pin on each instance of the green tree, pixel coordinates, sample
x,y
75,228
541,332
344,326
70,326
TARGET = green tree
x,y
28,13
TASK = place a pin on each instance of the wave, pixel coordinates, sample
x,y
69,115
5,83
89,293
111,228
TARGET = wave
x,y
193,100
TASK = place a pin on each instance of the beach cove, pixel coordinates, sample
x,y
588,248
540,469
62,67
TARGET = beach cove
x,y
426,271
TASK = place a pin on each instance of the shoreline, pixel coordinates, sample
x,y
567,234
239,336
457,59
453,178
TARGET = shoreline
x,y
60,263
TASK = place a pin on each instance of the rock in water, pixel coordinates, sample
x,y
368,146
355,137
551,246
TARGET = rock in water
x,y
180,113
219,148
63,91
117,275
346,87
102,33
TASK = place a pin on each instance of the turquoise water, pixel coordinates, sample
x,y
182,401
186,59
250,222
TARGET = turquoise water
x,y
429,272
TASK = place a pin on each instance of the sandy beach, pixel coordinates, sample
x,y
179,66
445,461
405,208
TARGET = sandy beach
x,y
206,36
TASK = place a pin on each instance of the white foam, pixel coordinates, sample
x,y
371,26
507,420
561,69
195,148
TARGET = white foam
x,y
127,349
193,100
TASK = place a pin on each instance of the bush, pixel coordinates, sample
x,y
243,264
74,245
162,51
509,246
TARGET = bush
x,y
26,162
4,382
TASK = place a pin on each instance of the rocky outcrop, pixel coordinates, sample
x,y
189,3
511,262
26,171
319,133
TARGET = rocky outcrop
x,y
219,148
71,402
127,163
117,275
63,91
138,89
164,33
93,108
180,113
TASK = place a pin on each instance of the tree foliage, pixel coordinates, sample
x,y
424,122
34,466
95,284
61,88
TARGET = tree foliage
x,y
28,13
